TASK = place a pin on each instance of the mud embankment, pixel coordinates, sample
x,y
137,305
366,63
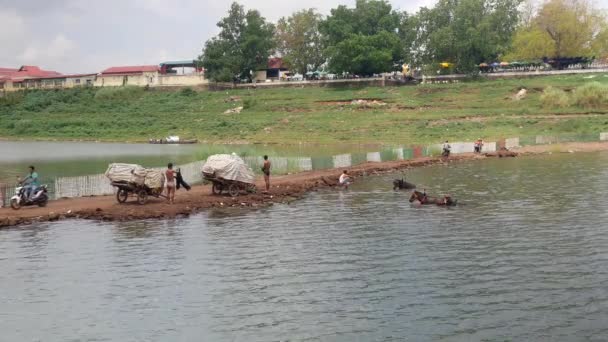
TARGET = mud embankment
x,y
284,189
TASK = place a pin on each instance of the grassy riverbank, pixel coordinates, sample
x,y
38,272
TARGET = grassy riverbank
x,y
413,114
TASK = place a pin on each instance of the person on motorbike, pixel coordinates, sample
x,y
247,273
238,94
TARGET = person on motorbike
x,y
30,182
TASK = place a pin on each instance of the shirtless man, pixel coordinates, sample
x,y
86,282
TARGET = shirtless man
x,y
266,170
170,178
345,179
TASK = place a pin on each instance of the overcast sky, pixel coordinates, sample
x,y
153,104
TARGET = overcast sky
x,y
91,35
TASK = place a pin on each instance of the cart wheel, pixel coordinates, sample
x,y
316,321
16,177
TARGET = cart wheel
x,y
216,189
142,197
233,190
15,204
122,195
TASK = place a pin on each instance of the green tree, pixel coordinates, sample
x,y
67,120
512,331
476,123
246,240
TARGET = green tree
x,y
573,25
600,43
530,44
363,40
366,55
243,45
464,32
562,28
299,40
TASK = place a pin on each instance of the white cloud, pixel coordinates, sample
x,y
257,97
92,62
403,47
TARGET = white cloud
x,y
57,49
158,7
12,39
60,47
90,35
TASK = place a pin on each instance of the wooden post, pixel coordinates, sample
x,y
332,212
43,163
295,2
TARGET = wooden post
x,y
2,194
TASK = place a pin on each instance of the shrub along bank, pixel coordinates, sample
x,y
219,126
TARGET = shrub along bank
x,y
413,114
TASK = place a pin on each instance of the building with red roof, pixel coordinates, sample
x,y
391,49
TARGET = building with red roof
x,y
33,77
139,75
7,71
131,70
14,78
276,69
60,81
277,63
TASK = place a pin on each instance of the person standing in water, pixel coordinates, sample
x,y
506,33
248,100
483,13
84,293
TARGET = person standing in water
x,y
266,171
345,179
170,183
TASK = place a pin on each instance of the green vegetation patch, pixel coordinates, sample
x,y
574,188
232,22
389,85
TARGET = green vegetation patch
x,y
404,115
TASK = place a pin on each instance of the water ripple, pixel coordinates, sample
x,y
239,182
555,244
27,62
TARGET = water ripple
x,y
524,258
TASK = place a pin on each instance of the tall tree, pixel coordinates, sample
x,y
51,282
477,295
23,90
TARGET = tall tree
x,y
465,32
562,28
600,44
299,40
243,45
530,44
363,40
572,25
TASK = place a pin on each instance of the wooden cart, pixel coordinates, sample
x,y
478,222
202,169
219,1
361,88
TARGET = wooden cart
x,y
142,192
234,188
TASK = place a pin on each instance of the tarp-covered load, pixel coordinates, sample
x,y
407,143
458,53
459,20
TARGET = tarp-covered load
x,y
229,167
133,173
155,179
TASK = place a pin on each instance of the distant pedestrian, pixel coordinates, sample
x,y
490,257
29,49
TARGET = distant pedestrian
x,y
266,170
170,183
478,145
447,149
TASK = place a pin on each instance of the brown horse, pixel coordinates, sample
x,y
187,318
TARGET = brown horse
x,y
446,200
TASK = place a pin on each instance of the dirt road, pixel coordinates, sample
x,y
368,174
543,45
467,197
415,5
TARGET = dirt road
x,y
284,189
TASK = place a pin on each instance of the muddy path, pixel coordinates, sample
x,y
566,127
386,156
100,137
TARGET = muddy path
x,y
284,189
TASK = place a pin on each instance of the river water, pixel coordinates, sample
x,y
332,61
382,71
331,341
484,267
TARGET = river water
x,y
524,258
65,159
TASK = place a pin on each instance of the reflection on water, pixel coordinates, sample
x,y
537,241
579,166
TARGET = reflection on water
x,y
525,258
64,159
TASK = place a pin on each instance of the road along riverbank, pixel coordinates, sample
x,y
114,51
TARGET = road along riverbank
x,y
284,189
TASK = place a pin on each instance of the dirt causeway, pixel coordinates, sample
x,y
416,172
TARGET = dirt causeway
x,y
284,189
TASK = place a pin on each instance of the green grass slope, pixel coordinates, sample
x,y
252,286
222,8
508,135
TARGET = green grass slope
x,y
411,114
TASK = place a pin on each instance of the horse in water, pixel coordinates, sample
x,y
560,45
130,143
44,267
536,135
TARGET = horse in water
x,y
423,199
401,184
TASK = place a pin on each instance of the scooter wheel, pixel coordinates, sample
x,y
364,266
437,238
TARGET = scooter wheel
x,y
42,203
15,204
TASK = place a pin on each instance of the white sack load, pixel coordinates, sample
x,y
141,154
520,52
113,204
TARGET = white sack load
x,y
155,179
131,173
229,167
137,174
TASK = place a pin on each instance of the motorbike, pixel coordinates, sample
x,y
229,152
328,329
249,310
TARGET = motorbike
x,y
39,197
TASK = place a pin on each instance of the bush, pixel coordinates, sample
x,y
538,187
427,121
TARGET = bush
x,y
554,98
119,93
188,92
591,95
11,98
249,103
